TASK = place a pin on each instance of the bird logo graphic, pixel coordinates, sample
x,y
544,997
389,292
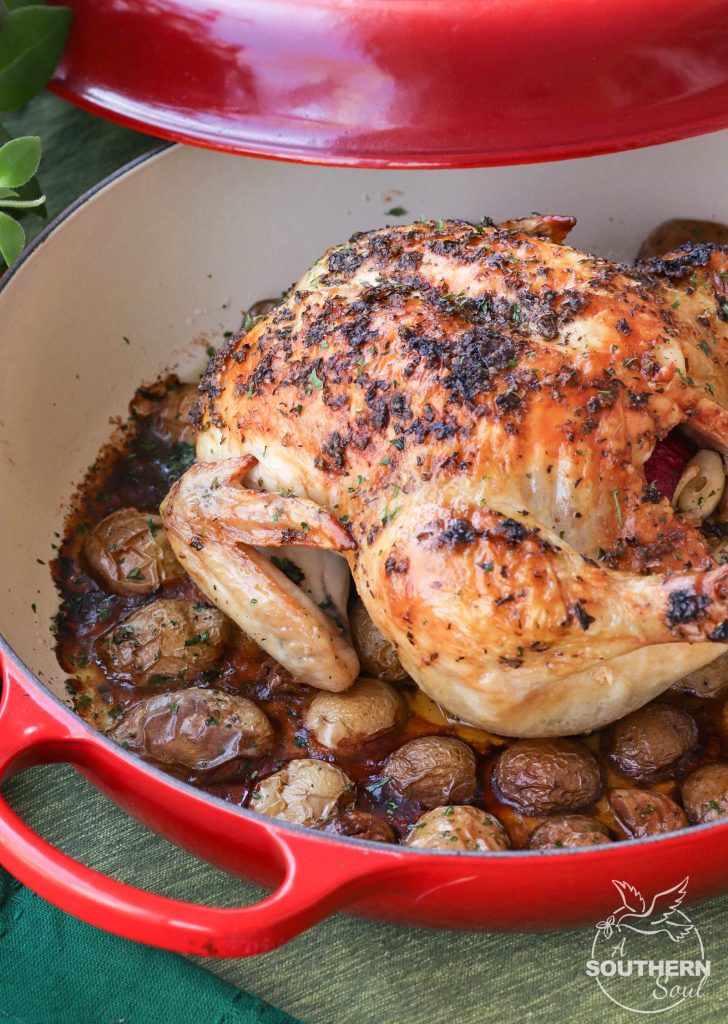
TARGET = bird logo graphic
x,y
633,958
636,915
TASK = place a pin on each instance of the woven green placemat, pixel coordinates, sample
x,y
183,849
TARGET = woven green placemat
x,y
345,971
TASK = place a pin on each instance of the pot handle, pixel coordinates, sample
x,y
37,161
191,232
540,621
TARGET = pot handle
x,y
33,732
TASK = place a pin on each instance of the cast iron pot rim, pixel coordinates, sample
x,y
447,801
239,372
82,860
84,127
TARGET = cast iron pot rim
x,y
169,780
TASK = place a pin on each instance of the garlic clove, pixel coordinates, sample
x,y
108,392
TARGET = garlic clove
x,y
701,485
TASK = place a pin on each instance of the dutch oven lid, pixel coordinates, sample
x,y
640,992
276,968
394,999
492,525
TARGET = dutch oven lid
x,y
403,83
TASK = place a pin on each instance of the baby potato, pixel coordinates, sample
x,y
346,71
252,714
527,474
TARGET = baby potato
x,y
708,681
169,403
305,791
340,721
547,776
649,743
643,812
194,728
263,307
164,641
569,832
432,770
671,234
705,793
128,553
360,825
462,829
377,655
172,419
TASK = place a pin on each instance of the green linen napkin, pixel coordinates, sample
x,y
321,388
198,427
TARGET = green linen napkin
x,y
346,970
56,970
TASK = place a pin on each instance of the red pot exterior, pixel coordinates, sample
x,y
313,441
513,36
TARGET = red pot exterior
x,y
315,874
416,83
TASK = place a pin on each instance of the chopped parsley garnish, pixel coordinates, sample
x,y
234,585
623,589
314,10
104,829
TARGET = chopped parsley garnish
x,y
615,496
197,639
183,456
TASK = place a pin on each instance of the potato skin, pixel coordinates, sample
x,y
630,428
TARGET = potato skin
x,y
547,776
649,743
366,711
432,770
705,793
708,681
165,641
570,831
127,553
459,829
360,825
643,813
197,729
172,420
304,791
377,656
263,307
169,403
671,234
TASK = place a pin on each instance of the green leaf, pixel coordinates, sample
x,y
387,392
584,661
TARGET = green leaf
x,y
31,189
6,193
12,239
30,48
19,160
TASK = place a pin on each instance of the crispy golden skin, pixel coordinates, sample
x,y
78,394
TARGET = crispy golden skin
x,y
476,405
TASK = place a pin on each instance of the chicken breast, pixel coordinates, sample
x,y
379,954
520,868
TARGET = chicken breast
x,y
462,413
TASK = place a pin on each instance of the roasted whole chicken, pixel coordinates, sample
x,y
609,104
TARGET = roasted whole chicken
x,y
459,417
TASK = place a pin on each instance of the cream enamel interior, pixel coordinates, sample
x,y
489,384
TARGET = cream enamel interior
x,y
168,254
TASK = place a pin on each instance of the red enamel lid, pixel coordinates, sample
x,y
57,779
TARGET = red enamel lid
x,y
403,83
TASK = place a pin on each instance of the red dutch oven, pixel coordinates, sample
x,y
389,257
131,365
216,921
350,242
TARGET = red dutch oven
x,y
403,83
141,275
